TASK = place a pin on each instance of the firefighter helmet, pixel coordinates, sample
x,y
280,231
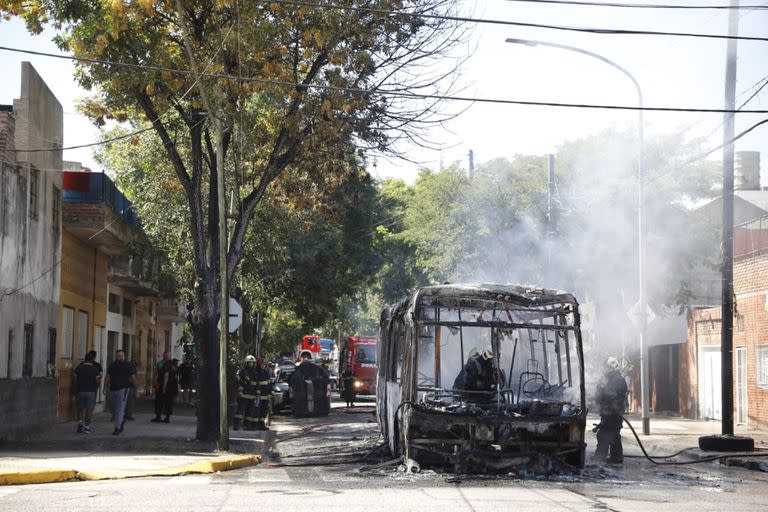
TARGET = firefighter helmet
x,y
612,362
250,359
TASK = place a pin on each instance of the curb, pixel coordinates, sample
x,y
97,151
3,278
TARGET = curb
x,y
37,477
209,466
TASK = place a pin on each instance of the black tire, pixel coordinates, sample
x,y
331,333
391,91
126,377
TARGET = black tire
x,y
726,444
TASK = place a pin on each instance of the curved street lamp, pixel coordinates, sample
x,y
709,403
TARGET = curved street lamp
x,y
642,318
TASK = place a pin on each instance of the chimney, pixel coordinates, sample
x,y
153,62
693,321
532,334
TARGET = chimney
x,y
746,173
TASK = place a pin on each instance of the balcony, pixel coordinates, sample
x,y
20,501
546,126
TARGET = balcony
x,y
96,212
171,309
135,274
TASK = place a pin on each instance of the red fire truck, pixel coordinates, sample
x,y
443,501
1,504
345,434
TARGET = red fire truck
x,y
359,355
309,343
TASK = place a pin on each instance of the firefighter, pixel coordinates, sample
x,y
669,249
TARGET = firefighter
x,y
478,374
247,393
264,384
611,399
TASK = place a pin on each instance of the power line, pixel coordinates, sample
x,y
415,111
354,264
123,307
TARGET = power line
x,y
366,92
464,19
137,132
644,6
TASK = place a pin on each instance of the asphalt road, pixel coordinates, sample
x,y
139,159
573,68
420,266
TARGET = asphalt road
x,y
307,472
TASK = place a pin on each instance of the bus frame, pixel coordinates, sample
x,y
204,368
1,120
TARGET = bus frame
x,y
536,418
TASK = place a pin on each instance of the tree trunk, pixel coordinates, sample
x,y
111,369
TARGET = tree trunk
x,y
207,340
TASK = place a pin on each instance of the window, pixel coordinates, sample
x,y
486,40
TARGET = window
x,y
51,366
762,366
127,308
56,209
740,323
10,352
29,346
82,335
114,303
34,190
67,332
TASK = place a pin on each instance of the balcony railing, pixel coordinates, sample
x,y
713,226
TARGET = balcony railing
x,y
96,187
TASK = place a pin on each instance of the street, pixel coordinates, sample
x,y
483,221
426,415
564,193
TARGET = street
x,y
306,471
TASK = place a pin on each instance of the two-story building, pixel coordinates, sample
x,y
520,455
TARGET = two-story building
x,y
31,136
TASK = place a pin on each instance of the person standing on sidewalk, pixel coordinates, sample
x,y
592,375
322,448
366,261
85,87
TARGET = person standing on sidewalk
x,y
186,380
131,392
168,388
611,399
120,376
264,383
159,366
87,379
247,394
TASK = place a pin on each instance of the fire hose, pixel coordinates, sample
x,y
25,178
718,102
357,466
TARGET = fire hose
x,y
680,463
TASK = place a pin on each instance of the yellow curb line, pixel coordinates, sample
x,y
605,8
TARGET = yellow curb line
x,y
37,477
208,466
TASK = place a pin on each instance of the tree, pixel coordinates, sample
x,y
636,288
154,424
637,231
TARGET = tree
x,y
286,86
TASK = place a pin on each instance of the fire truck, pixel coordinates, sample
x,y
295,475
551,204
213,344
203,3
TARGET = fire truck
x,y
359,355
309,343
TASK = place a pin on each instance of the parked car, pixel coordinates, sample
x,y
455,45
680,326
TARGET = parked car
x,y
280,393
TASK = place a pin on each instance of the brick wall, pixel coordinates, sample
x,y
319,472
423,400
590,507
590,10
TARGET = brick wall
x,y
750,276
26,406
750,282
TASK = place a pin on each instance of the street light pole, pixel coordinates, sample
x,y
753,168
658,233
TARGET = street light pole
x,y
643,319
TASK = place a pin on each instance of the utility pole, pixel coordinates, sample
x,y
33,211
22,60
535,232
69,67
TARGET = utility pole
x,y
726,331
471,156
728,442
218,122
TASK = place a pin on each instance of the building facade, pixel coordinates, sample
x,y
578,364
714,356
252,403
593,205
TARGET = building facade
x,y
700,385
30,256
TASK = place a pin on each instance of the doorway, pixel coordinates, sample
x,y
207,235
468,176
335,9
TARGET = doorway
x,y
710,385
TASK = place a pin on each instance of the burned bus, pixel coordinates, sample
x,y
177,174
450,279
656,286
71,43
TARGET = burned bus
x,y
483,377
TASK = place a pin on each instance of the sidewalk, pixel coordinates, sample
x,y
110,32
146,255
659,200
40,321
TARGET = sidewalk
x,y
670,434
144,448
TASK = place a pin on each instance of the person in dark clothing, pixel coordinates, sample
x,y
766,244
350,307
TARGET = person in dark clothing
x,y
158,396
120,376
264,383
186,380
611,399
479,375
87,379
247,393
348,387
167,387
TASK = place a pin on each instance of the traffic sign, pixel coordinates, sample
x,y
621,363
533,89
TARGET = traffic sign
x,y
235,315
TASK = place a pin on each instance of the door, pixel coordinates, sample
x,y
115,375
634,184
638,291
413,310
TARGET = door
x,y
741,386
710,385
100,346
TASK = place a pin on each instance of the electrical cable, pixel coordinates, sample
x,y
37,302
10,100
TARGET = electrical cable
x,y
644,6
398,94
464,19
687,462
142,130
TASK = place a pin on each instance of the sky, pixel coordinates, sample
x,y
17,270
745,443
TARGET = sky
x,y
671,71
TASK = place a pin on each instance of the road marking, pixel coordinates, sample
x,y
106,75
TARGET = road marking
x,y
7,492
268,475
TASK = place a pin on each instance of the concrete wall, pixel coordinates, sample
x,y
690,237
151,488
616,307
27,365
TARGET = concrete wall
x,y
30,253
26,406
